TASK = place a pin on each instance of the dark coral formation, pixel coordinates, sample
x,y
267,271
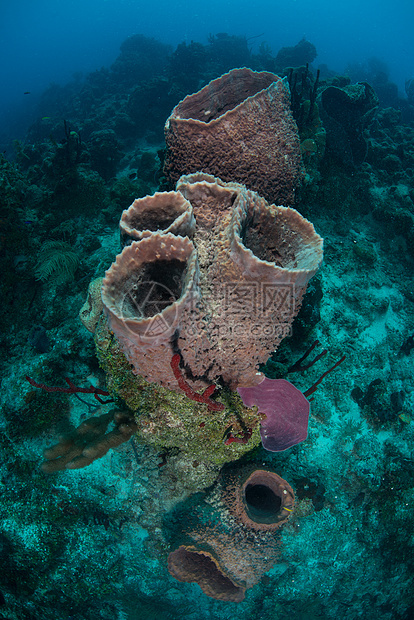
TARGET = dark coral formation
x,y
90,441
346,112
301,54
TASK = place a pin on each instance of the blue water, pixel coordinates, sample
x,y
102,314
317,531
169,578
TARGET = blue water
x,y
48,41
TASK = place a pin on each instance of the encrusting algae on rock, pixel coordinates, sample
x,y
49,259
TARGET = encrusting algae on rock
x,y
169,419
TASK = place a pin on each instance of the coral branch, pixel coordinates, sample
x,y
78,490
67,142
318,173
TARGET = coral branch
x,y
298,367
313,387
188,390
247,433
72,389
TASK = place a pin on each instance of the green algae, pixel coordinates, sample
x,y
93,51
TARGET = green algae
x,y
168,419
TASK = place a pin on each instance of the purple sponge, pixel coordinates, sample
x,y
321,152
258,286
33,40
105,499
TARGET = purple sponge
x,y
286,409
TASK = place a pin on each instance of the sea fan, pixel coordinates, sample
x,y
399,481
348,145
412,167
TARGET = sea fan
x,y
56,262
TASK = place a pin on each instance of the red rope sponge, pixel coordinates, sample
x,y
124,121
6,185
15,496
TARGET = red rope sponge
x,y
188,390
72,389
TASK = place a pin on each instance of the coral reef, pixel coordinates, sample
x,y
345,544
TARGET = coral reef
x,y
230,536
38,339
239,128
302,53
104,152
140,58
227,51
376,72
305,110
56,262
345,113
348,550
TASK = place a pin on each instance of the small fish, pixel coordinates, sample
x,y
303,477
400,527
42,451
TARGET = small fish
x,y
46,118
27,92
132,175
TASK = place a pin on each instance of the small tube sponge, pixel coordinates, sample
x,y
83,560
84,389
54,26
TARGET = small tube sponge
x,y
164,212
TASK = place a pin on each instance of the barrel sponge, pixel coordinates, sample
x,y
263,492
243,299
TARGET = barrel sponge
x,y
164,212
255,261
144,294
191,565
231,535
238,127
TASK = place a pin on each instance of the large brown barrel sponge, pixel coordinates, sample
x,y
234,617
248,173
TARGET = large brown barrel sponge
x,y
232,536
264,501
190,565
240,128
255,262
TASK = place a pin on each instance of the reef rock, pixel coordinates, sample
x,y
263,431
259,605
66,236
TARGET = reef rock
x,y
239,127
92,308
226,539
345,113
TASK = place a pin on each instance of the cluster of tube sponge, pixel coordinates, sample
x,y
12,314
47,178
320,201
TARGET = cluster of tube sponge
x,y
211,272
